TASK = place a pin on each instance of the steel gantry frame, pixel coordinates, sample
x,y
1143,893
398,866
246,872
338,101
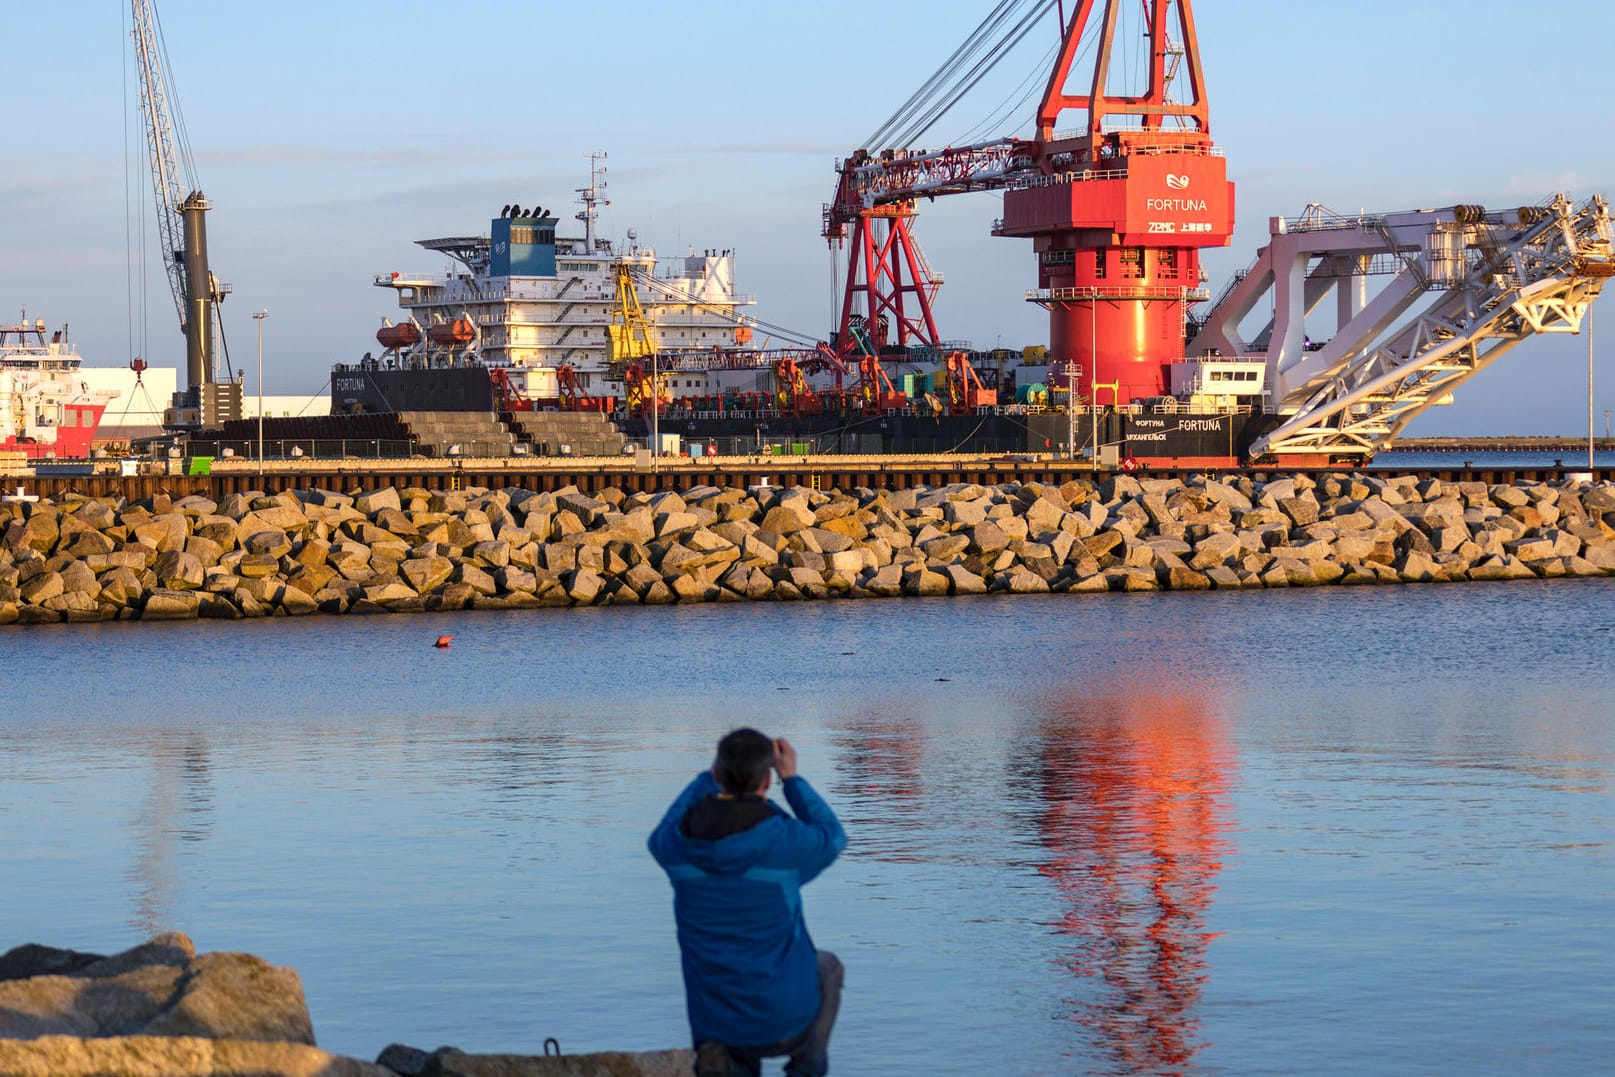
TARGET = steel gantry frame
x,y
1117,209
1496,278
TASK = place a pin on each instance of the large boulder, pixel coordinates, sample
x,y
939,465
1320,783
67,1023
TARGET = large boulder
x,y
449,1062
161,988
173,1056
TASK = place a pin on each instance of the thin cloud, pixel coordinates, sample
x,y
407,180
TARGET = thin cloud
x,y
786,149
294,156
1537,185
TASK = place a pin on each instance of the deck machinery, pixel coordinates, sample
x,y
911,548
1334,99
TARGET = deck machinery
x,y
1117,209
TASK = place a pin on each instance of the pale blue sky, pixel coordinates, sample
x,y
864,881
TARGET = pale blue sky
x,y
330,136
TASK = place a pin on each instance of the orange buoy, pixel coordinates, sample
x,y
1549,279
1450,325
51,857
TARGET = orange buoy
x,y
443,642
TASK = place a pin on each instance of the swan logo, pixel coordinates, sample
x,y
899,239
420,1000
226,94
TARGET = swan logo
x,y
1177,183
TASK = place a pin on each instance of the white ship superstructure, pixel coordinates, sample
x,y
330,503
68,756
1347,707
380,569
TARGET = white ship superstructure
x,y
46,408
531,301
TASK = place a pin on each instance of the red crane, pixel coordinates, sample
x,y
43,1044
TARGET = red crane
x,y
1117,209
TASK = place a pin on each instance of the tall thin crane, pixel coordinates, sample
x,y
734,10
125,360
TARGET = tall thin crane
x,y
182,229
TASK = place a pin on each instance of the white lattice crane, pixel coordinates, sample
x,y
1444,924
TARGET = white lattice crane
x,y
1465,286
182,230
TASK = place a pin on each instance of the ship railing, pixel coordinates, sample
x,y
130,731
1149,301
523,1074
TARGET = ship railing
x,y
1319,218
1057,179
409,280
1252,357
305,449
1178,408
1204,149
1110,292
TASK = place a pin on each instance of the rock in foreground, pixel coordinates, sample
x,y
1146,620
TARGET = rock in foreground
x,y
173,1056
163,1010
162,988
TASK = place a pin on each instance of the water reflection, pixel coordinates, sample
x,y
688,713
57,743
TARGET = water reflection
x,y
177,811
879,783
1134,818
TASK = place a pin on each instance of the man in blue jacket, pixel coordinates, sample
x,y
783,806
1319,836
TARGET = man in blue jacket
x,y
754,985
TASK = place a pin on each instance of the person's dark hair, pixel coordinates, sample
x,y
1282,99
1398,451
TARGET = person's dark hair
x,y
744,759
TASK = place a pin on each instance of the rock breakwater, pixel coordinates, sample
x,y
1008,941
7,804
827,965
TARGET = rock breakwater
x,y
411,550
163,1010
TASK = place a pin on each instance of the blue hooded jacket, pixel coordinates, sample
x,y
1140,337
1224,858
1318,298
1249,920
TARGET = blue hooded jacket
x,y
751,974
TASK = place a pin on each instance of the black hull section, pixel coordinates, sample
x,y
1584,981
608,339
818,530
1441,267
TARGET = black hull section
x,y
1185,438
1160,438
360,389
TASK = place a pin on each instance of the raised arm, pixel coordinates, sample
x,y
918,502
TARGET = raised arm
x,y
819,836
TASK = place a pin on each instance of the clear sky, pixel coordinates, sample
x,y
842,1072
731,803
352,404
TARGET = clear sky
x,y
331,136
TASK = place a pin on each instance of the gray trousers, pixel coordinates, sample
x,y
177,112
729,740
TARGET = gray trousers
x,y
809,1050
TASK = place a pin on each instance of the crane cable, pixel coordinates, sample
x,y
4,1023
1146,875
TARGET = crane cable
x,y
182,135
668,291
983,67
1029,88
968,46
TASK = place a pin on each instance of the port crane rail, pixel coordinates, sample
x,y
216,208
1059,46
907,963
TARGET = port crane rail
x,y
1497,278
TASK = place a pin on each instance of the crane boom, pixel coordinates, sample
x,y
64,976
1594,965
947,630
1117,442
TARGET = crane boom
x,y
166,189
182,229
892,176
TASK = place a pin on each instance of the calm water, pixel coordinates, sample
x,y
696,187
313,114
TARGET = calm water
x,y
1400,460
1344,830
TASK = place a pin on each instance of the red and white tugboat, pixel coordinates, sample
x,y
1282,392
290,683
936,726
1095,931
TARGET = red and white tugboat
x,y
46,411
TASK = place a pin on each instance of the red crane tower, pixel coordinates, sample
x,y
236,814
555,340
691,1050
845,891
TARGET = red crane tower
x,y
1122,205
1117,209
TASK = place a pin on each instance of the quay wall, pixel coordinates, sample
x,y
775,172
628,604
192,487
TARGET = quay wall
x,y
77,558
593,475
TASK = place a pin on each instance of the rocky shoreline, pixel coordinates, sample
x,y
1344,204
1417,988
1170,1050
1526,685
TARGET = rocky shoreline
x,y
85,559
163,1010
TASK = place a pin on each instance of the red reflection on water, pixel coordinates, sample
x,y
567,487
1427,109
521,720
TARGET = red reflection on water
x,y
1134,820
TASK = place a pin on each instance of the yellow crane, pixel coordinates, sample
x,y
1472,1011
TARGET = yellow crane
x,y
632,345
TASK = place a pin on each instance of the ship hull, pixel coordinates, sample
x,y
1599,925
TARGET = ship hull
x,y
1164,439
1178,440
69,442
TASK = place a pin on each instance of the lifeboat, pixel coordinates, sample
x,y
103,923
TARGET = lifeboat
x,y
399,336
459,331
743,334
